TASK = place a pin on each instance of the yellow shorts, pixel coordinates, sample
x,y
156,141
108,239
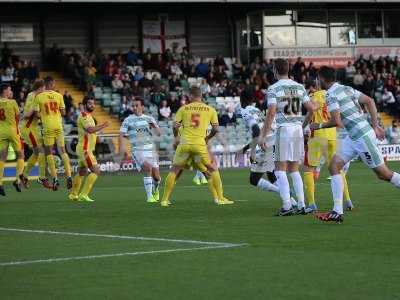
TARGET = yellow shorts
x,y
53,137
194,154
32,137
86,159
11,138
318,147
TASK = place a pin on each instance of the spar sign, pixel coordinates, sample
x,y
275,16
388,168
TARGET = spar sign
x,y
390,152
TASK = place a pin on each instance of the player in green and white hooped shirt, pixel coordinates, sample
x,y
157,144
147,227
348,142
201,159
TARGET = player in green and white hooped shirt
x,y
285,99
344,104
139,128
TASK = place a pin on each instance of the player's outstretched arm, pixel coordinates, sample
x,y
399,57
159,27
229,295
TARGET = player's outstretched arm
x,y
369,103
94,129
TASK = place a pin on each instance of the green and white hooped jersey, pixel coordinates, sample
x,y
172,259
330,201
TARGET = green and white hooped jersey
x,y
288,96
345,100
138,131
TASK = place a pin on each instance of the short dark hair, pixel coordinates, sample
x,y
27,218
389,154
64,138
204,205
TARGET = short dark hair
x,y
282,66
39,83
86,99
327,73
3,87
195,91
48,80
140,100
310,84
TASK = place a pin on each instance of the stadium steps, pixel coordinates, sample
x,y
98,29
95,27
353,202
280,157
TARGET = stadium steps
x,y
100,114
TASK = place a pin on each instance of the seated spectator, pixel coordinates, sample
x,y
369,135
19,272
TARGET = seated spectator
x,y
227,117
164,111
174,83
68,101
173,103
132,56
175,69
393,133
157,95
358,80
205,88
117,83
350,72
219,61
202,69
388,101
258,95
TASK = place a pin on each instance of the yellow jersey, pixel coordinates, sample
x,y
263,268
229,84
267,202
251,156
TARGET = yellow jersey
x,y
32,121
194,119
9,116
48,104
87,141
321,116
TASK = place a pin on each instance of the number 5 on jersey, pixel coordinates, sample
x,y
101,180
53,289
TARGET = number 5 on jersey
x,y
195,120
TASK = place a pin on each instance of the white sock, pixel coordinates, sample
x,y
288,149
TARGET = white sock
x,y
284,190
293,201
298,188
395,179
200,175
148,186
337,193
156,184
267,186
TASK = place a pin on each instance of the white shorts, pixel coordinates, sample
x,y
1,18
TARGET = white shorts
x,y
264,161
142,156
289,143
365,147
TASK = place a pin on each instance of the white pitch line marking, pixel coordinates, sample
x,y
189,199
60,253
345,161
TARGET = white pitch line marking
x,y
122,237
62,259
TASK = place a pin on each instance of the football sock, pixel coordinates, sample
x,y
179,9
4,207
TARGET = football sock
x,y
267,186
212,189
42,165
309,186
87,187
337,193
148,186
216,180
76,184
284,190
200,175
346,193
52,165
67,164
2,163
20,167
299,188
156,184
395,179
30,164
169,186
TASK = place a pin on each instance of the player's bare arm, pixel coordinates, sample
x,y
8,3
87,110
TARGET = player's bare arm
x,y
369,104
213,132
155,128
334,121
267,124
94,129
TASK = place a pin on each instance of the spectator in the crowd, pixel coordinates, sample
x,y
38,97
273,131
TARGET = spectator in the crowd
x,y
174,83
298,68
68,100
117,83
350,72
202,69
164,111
158,95
205,88
393,133
227,117
173,102
388,100
132,56
358,80
258,95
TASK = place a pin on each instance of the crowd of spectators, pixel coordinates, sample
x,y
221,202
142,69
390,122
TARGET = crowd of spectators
x,y
19,73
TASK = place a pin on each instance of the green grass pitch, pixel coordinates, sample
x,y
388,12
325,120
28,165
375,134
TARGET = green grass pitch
x,y
284,258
